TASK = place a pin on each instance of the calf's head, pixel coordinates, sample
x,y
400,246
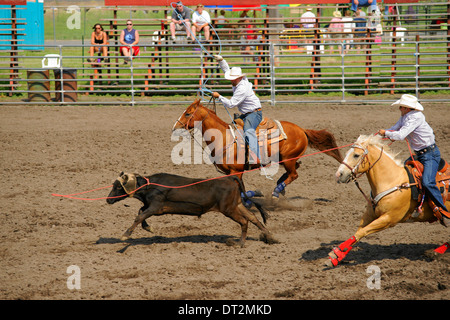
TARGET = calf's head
x,y
123,187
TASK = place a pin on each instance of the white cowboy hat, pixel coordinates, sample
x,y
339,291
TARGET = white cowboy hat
x,y
337,14
234,73
409,101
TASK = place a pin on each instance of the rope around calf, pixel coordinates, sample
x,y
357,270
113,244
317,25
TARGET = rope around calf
x,y
73,195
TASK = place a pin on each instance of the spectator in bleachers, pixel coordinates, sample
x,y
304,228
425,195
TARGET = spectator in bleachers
x,y
248,39
349,26
360,30
336,27
307,21
201,21
372,4
371,22
129,37
361,13
221,20
181,17
98,37
244,15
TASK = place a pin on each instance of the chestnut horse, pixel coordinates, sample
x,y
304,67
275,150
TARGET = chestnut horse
x,y
288,151
389,182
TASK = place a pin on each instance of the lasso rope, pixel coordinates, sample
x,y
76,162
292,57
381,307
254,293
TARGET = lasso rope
x,y
72,196
203,88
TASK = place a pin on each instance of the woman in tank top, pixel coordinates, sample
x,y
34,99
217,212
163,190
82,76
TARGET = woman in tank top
x,y
98,37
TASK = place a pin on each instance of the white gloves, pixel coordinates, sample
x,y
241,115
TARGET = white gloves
x,y
217,57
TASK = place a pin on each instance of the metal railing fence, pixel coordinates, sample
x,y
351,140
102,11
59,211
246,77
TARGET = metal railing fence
x,y
281,71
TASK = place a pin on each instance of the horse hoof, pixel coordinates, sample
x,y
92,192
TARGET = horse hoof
x,y
328,263
275,200
124,238
268,238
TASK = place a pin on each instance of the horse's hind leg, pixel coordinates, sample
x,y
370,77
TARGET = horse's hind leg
x,y
291,175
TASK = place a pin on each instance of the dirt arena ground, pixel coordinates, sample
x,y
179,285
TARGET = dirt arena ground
x,y
65,150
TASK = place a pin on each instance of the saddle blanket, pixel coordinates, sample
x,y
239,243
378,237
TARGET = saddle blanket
x,y
269,132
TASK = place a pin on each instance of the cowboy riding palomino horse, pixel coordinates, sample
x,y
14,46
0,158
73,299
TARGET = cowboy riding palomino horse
x,y
391,188
287,149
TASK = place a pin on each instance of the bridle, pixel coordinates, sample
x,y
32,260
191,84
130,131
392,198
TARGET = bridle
x,y
362,160
355,175
186,125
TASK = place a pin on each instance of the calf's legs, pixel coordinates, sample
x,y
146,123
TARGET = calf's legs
x,y
242,216
140,219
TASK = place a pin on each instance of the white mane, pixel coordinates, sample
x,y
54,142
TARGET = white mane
x,y
377,141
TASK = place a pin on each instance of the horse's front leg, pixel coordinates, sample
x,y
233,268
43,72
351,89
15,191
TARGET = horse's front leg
x,y
339,253
286,178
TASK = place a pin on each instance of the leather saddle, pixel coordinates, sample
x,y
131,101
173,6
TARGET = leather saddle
x,y
415,169
268,130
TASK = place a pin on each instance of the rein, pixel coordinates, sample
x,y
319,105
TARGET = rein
x,y
373,202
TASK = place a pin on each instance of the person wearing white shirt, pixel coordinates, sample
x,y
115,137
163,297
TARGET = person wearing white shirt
x,y
245,99
349,27
413,127
201,20
308,19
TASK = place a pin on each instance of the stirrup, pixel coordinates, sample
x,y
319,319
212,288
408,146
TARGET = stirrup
x,y
441,214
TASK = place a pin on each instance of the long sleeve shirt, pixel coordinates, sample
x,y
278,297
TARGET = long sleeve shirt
x,y
244,98
413,127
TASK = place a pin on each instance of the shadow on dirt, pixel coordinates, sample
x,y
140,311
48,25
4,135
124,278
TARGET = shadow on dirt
x,y
365,253
220,239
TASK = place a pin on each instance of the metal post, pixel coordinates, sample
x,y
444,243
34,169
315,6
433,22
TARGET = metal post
x,y
272,73
61,73
448,43
54,26
131,72
343,70
417,56
202,74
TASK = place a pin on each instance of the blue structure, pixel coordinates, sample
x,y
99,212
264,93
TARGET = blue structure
x,y
33,15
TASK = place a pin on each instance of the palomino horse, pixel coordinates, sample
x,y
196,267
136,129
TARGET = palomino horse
x,y
389,182
288,151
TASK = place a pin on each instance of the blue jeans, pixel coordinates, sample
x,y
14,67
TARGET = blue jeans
x,y
365,3
251,122
430,161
